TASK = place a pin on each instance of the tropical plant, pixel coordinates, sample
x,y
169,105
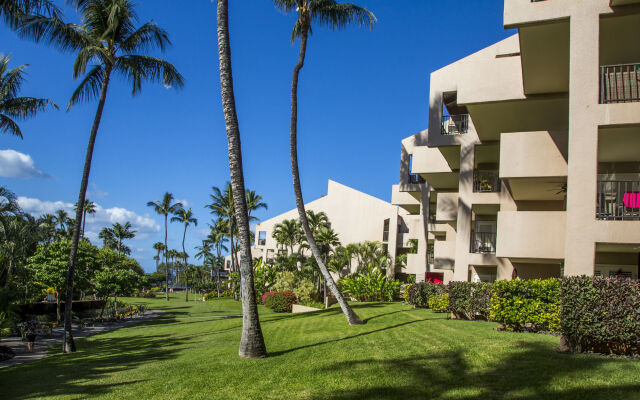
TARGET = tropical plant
x,y
16,12
13,107
372,286
165,207
185,217
88,209
222,207
251,343
218,236
159,247
108,37
287,234
120,233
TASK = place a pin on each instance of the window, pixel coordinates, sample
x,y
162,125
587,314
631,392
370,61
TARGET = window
x,y
262,238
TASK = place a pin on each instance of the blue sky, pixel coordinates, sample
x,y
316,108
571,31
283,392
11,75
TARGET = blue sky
x,y
361,92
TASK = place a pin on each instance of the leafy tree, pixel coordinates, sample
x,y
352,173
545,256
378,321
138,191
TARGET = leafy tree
x,y
185,217
13,107
251,342
165,207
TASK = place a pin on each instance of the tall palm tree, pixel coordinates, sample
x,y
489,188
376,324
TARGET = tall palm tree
x,y
13,107
159,247
326,238
109,38
165,207
89,208
222,207
251,343
186,217
121,233
61,219
218,236
254,202
287,233
335,16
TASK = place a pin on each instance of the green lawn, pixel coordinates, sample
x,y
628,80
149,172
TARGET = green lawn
x,y
400,353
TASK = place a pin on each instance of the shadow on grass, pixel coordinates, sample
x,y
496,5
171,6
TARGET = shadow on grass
x,y
71,374
532,372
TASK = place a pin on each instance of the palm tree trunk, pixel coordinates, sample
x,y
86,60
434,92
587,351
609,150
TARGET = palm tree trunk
x,y
184,252
68,345
84,217
166,260
252,343
351,316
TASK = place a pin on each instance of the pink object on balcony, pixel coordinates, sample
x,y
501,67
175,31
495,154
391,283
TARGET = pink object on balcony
x,y
435,277
631,200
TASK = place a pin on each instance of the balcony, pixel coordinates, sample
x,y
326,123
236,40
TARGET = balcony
x,y
415,179
455,124
618,200
619,83
262,242
486,181
536,235
430,258
483,242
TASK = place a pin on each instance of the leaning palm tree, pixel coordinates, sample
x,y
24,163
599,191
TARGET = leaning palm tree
x,y
12,107
335,16
89,208
108,38
165,207
251,343
186,217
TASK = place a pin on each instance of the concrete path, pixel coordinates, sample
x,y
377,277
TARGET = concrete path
x,y
43,343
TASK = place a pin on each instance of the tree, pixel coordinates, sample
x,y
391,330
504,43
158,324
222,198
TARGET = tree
x,y
335,16
121,233
222,207
185,217
89,208
117,276
61,219
15,12
251,343
287,233
165,207
159,247
13,107
218,237
254,202
108,37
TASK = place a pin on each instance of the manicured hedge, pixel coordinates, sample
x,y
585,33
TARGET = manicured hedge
x,y
526,305
470,300
439,303
600,314
280,302
420,293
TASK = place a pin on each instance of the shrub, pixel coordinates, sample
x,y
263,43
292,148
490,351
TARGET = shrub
x,y
372,286
600,314
303,288
147,294
439,302
419,293
405,292
532,305
279,301
214,294
470,300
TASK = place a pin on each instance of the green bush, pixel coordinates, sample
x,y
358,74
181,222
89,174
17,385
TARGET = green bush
x,y
405,292
600,314
303,288
372,286
439,302
419,293
279,302
470,300
531,305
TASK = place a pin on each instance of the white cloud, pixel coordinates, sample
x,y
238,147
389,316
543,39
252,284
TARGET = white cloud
x,y
184,203
143,224
14,164
96,192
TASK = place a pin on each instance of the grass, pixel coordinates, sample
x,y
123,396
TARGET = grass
x,y
400,353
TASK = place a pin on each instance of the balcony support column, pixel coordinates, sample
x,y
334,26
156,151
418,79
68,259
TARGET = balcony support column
x,y
465,190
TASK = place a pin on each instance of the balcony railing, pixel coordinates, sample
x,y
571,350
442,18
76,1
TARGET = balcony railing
x,y
486,181
455,124
415,179
619,83
262,242
618,200
430,258
483,242
385,236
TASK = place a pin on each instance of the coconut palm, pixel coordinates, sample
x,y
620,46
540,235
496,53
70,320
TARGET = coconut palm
x,y
254,203
287,233
185,217
251,343
159,247
89,208
218,236
122,232
61,219
12,107
47,225
165,207
335,16
222,207
8,202
109,39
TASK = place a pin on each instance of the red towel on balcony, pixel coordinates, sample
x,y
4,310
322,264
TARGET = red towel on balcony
x,y
631,199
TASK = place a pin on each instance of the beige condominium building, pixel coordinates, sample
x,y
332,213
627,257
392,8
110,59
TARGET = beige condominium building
x,y
530,165
354,216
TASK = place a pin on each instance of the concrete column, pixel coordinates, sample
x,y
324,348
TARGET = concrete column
x,y
465,190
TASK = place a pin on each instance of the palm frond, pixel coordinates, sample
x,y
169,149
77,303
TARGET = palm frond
x,y
7,125
24,107
11,82
287,5
89,54
137,68
14,12
89,88
54,31
338,16
148,36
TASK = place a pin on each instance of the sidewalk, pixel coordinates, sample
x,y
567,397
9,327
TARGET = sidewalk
x,y
42,344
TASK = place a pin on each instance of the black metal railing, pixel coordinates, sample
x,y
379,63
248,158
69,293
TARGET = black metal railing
x,y
430,258
619,83
483,242
455,124
415,179
618,200
486,181
385,236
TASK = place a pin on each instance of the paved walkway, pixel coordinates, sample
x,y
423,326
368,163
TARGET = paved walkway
x,y
42,344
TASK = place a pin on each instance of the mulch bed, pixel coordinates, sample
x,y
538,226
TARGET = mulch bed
x,y
6,353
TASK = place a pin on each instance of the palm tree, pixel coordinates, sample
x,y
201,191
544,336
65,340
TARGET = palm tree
x,y
89,208
186,217
165,207
61,219
15,12
159,247
335,16
218,236
287,233
121,233
47,225
251,343
108,37
254,202
222,207
326,238
108,238
13,107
